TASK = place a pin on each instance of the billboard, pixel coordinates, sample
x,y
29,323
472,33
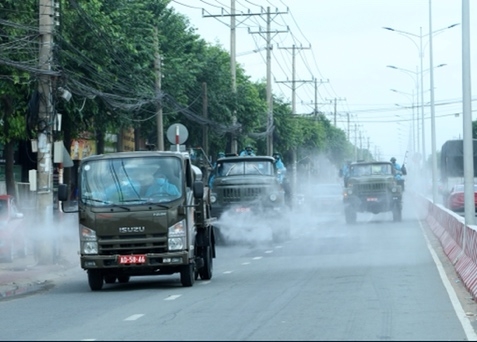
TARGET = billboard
x,y
82,148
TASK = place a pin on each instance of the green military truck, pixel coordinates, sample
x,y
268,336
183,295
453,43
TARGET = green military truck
x,y
132,231
372,187
249,186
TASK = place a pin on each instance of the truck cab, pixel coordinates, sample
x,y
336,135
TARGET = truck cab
x,y
127,229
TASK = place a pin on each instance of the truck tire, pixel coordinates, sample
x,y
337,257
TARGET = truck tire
x,y
123,279
188,275
95,280
205,272
350,215
397,213
109,279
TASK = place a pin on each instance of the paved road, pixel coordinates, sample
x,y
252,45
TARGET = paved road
x,y
376,280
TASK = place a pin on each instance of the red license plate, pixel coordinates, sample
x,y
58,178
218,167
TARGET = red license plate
x,y
242,210
372,199
132,259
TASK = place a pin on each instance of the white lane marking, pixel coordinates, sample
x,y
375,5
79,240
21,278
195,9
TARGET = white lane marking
x,y
88,339
257,258
278,246
268,252
464,321
172,297
246,263
204,282
134,317
228,272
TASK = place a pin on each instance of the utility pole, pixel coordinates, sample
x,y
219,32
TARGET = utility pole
x,y
347,115
269,77
233,54
356,142
360,145
44,202
316,92
335,102
157,68
205,129
293,80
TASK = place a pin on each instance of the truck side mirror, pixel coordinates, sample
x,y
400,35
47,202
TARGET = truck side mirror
x,y
62,192
198,189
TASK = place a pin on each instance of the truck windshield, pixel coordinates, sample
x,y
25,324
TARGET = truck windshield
x,y
129,181
226,168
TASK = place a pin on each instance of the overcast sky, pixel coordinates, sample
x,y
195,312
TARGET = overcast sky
x,y
343,45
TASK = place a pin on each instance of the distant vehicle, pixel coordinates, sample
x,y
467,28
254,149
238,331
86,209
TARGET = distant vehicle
x,y
452,166
325,196
455,199
248,186
372,187
13,242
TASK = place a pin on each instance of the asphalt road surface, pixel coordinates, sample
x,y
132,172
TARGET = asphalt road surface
x,y
375,280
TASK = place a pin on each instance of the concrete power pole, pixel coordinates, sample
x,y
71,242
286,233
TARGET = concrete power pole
x,y
316,92
205,130
293,80
157,68
335,112
233,55
44,202
268,39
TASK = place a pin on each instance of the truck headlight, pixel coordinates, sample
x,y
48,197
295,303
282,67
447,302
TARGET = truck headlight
x,y
213,198
90,248
89,241
176,236
394,189
273,197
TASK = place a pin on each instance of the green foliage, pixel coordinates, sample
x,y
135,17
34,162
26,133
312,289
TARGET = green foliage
x,y
106,53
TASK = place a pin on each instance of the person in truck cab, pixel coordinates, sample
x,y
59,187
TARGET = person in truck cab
x,y
121,189
248,151
162,187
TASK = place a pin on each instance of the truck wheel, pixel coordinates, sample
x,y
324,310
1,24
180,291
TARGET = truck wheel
x,y
188,275
397,213
350,215
205,272
95,280
123,279
109,279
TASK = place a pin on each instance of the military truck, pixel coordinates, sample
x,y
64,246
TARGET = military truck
x,y
136,233
249,186
372,187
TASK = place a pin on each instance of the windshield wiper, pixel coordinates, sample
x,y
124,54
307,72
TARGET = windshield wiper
x,y
107,203
157,204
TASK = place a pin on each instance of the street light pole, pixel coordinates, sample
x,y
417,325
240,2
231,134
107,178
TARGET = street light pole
x,y
433,116
413,131
420,48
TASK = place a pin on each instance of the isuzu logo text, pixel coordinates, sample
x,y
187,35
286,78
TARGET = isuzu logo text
x,y
132,229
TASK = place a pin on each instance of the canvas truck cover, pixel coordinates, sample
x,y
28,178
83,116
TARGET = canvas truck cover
x,y
452,159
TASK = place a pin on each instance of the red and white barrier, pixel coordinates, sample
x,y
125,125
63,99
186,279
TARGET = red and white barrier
x,y
461,250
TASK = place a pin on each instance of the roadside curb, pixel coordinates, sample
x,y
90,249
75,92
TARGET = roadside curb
x,y
26,278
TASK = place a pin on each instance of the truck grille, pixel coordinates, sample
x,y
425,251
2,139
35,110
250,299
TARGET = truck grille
x,y
132,244
371,187
233,195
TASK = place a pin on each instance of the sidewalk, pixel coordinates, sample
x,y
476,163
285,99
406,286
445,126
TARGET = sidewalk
x,y
24,275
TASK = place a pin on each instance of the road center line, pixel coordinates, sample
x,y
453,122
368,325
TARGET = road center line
x,y
134,317
172,297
